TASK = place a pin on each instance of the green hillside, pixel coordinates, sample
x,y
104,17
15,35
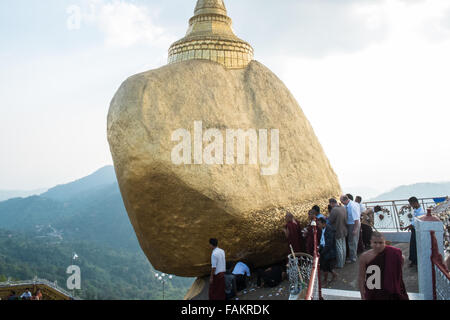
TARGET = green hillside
x,y
39,234
106,273
96,215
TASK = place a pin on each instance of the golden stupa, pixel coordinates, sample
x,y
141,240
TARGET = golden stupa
x,y
211,37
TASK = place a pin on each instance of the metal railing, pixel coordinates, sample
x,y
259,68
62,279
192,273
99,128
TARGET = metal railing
x,y
440,274
314,291
396,214
36,282
299,270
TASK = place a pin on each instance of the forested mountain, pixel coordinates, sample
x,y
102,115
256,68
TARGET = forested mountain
x,y
40,233
96,214
106,273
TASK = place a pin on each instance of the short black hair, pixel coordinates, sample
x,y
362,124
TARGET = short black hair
x,y
214,242
322,220
349,196
377,234
316,208
358,198
413,200
377,209
332,200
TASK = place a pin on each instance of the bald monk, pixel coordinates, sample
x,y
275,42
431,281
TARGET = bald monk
x,y
293,233
380,272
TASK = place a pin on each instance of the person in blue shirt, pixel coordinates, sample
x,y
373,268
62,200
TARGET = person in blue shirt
x,y
242,273
418,211
353,226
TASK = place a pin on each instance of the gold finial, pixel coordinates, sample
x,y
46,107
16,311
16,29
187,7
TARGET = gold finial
x,y
210,7
210,37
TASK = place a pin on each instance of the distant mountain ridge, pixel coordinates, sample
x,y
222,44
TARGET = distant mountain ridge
x,y
419,190
9,194
90,209
95,181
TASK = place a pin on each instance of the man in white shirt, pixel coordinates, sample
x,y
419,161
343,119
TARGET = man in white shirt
x,y
362,206
218,269
241,271
353,226
418,211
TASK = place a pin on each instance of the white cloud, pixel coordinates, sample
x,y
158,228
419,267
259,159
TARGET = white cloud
x,y
123,24
381,113
126,24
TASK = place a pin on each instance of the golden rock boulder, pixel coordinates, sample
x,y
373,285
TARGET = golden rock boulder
x,y
185,178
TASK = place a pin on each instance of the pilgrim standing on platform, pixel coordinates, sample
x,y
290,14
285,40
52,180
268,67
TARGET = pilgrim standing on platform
x,y
316,210
338,219
327,249
380,272
367,224
308,233
418,211
362,208
218,269
353,225
293,233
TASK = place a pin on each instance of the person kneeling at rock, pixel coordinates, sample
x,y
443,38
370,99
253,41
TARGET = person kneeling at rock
x,y
242,273
270,277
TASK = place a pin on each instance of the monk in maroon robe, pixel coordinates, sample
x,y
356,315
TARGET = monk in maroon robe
x,y
293,233
380,272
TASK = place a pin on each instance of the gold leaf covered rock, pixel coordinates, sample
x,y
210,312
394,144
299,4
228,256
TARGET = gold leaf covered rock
x,y
176,207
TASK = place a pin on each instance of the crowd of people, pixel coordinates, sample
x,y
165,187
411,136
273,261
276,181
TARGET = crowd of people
x,y
26,295
346,231
340,233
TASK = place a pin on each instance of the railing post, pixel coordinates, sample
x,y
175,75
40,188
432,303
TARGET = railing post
x,y
317,256
395,216
424,225
438,267
433,271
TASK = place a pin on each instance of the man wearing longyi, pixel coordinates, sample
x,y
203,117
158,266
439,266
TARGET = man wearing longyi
x,y
218,269
380,272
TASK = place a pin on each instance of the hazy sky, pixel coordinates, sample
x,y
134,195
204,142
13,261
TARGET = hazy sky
x,y
372,76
